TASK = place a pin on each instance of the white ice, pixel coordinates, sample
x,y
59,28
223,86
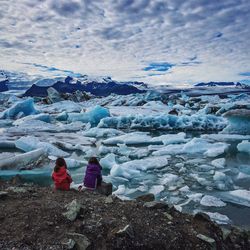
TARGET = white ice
x,y
22,160
240,197
219,218
244,146
92,116
19,109
30,143
211,201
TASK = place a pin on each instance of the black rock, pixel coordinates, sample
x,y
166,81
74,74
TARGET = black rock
x,y
146,197
4,86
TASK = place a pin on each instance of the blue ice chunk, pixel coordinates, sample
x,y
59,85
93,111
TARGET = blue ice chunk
x,y
62,116
166,122
20,109
239,122
93,116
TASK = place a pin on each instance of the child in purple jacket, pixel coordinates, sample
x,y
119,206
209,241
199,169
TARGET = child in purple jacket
x,y
93,175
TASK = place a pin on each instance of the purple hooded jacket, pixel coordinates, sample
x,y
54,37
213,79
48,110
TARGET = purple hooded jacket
x,y
93,176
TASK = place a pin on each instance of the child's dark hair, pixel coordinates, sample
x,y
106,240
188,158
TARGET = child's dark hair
x,y
60,162
94,160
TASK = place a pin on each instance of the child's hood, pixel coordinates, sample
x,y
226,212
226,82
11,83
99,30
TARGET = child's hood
x,y
93,168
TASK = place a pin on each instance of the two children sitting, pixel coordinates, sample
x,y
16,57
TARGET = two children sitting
x,y
92,179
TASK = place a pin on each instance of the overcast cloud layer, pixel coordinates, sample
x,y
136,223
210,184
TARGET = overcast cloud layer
x,y
171,41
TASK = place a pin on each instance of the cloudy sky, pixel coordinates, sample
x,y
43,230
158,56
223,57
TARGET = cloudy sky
x,y
173,41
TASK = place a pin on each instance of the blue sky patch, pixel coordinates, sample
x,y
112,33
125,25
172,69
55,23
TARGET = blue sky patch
x,y
159,66
245,73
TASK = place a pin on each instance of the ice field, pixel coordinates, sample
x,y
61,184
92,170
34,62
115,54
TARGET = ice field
x,y
196,158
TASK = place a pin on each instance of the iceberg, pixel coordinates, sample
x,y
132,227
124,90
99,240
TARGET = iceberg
x,y
102,132
40,117
219,163
244,146
165,122
108,161
63,106
132,169
23,160
156,189
239,122
30,143
93,116
239,197
146,163
195,146
19,109
168,179
211,201
170,139
222,181
129,139
218,218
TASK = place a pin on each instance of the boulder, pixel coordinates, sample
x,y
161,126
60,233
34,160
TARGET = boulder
x,y
202,217
155,205
73,210
105,188
208,240
146,197
127,230
3,195
81,241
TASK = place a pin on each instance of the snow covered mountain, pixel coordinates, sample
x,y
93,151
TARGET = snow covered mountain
x,y
103,88
221,84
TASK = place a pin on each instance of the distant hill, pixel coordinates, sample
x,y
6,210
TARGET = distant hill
x,y
221,84
104,88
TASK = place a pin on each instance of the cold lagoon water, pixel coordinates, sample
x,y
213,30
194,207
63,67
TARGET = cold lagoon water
x,y
192,152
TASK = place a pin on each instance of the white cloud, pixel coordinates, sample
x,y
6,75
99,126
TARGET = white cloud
x,y
120,38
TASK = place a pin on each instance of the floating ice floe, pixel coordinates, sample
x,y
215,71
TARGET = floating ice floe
x,y
170,139
133,168
122,192
241,176
93,116
239,122
41,117
19,110
195,146
34,126
30,143
129,139
219,163
23,160
108,161
225,137
102,132
244,146
169,179
67,106
156,189
218,218
222,181
211,201
240,197
167,122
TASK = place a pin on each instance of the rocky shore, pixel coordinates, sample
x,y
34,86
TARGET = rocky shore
x,y
34,217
